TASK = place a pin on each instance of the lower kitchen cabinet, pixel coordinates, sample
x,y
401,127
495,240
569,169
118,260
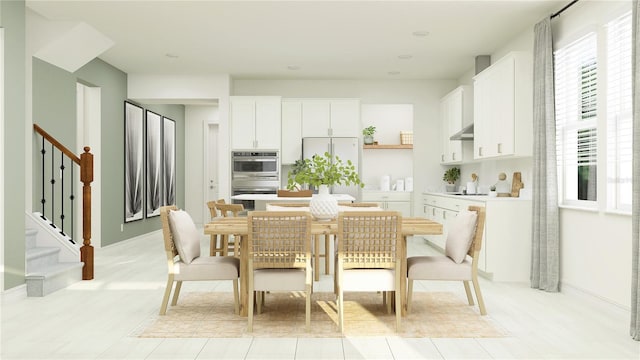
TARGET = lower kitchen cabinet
x,y
390,200
506,244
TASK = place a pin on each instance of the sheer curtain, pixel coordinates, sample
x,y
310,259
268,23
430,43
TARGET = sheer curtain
x,y
635,211
545,255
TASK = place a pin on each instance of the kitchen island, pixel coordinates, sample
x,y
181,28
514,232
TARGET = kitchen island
x,y
261,200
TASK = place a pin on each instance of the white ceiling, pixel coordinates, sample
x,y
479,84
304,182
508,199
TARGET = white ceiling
x,y
325,39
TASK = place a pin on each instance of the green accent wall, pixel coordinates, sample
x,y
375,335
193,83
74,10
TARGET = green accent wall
x,y
12,19
54,108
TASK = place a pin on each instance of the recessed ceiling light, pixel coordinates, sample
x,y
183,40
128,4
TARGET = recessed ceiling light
x,y
420,33
171,56
405,56
394,73
293,67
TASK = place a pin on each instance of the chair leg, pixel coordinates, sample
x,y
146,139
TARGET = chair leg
x,y
398,299
165,298
259,303
225,245
341,310
213,245
307,306
236,300
250,305
476,287
327,256
468,291
176,293
387,298
316,258
409,294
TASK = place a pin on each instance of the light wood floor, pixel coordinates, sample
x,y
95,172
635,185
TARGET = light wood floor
x,y
98,319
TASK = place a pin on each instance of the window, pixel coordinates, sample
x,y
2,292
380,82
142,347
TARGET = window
x,y
576,93
619,114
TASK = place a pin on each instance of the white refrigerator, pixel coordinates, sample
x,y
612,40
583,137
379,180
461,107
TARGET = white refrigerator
x,y
345,148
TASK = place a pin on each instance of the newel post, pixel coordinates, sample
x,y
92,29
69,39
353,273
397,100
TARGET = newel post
x,y
86,176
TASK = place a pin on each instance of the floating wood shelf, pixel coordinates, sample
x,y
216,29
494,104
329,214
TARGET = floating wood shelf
x,y
396,146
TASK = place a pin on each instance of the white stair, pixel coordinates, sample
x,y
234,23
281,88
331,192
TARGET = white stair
x,y
45,273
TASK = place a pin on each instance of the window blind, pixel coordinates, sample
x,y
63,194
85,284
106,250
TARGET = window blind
x,y
576,75
619,113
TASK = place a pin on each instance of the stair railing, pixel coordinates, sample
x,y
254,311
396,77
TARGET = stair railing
x,y
85,162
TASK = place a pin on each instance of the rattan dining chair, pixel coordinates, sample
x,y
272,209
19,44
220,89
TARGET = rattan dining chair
x,y
226,210
279,244
182,247
460,262
369,250
217,244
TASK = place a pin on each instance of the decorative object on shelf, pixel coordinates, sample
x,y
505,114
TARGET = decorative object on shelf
x,y
516,184
451,176
368,134
472,186
503,188
406,137
492,191
322,170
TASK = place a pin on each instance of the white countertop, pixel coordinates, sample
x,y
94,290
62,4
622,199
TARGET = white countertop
x,y
476,197
274,197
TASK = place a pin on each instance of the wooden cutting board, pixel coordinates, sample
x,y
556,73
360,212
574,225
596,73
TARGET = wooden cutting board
x,y
516,184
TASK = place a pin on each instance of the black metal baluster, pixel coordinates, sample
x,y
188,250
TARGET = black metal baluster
x,y
43,200
53,189
62,194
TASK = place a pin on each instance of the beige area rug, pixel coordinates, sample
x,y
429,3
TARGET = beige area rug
x,y
210,315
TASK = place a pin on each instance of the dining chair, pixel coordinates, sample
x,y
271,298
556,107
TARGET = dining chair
x,y
182,247
226,210
460,262
279,244
368,257
217,244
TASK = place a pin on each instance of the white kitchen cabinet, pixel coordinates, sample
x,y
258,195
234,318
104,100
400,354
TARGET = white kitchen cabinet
x,y
456,111
506,245
291,131
255,122
503,108
330,117
390,200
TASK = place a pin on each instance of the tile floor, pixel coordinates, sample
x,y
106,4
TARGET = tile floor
x,y
98,319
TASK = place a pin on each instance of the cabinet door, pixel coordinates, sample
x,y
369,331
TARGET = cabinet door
x,y
315,118
291,132
444,130
455,124
345,118
243,113
268,124
403,207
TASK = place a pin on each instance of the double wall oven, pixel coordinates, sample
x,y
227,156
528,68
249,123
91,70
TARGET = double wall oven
x,y
254,172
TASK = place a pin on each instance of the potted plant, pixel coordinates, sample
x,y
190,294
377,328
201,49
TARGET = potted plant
x,y
368,134
322,171
296,188
451,176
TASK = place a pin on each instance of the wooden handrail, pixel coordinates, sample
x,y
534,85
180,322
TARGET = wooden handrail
x,y
85,161
57,144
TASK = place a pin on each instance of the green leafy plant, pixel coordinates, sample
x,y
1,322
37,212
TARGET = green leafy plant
x,y
323,170
369,131
451,175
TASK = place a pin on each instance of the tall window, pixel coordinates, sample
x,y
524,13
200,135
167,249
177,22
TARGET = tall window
x,y
619,113
576,75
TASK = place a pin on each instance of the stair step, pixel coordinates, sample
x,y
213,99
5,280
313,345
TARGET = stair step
x,y
54,277
30,236
41,257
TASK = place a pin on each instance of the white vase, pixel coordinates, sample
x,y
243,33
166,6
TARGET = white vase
x,y
323,206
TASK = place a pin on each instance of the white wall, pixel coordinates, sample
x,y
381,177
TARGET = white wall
x,y
424,95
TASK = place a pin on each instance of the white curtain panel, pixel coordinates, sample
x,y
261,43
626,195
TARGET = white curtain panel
x,y
635,215
545,255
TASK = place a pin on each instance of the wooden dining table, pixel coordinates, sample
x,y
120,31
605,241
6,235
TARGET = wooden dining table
x,y
238,226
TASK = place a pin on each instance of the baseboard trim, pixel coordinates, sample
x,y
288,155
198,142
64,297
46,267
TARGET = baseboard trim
x,y
572,290
14,294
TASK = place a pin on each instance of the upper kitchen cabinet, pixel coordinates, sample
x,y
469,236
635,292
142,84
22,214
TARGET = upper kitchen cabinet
x,y
503,108
331,117
456,111
291,131
255,122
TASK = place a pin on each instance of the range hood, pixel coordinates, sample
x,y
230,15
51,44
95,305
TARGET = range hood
x,y
465,134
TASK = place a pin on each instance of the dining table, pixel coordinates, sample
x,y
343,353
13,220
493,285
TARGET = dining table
x,y
238,226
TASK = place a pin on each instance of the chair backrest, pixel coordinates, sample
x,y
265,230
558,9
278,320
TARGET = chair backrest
x,y
369,239
229,209
279,239
476,243
169,244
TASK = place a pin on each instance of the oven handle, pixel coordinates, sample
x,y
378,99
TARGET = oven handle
x,y
255,160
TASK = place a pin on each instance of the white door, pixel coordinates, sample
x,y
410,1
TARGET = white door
x,y
211,166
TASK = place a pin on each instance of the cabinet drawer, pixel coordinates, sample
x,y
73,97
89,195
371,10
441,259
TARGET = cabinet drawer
x,y
386,196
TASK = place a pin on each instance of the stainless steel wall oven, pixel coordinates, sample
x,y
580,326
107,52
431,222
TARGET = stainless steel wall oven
x,y
254,172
